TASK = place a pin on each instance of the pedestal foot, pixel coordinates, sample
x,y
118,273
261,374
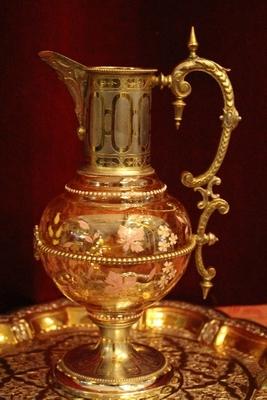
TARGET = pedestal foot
x,y
90,374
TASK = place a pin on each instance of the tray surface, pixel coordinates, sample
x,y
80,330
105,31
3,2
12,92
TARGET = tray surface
x,y
217,358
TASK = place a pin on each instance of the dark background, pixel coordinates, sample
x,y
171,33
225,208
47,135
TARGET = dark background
x,y
40,150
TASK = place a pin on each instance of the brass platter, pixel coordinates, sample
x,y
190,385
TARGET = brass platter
x,y
214,357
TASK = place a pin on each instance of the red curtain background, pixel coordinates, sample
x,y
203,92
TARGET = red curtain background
x,y
40,151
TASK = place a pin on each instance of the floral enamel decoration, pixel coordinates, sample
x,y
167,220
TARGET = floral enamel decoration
x,y
55,230
87,237
184,222
92,238
168,273
166,238
164,231
152,274
117,283
163,245
131,238
83,224
83,236
173,239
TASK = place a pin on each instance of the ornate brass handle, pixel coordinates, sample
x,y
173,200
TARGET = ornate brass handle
x,y
230,118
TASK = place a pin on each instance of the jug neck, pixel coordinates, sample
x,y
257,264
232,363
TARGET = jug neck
x,y
113,106
117,139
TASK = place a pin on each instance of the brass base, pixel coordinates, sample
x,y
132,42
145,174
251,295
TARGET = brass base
x,y
89,374
213,357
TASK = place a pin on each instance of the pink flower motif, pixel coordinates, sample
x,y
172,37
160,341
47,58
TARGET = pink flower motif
x,y
173,239
168,266
114,279
116,282
164,231
129,282
163,245
168,273
131,238
169,270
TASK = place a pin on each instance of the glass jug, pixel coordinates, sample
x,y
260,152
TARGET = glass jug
x,y
115,241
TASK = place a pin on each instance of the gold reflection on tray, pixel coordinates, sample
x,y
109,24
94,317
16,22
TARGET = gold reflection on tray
x,y
212,355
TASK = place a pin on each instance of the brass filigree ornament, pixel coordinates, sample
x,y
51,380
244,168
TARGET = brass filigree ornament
x,y
115,241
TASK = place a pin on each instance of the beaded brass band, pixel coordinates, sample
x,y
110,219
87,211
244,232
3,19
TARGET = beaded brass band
x,y
107,381
41,247
117,194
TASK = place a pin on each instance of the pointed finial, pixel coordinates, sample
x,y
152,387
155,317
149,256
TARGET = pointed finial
x,y
192,43
206,285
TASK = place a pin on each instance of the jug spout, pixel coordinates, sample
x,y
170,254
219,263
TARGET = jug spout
x,y
75,76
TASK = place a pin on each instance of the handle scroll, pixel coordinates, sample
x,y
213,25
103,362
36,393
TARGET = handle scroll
x,y
230,118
